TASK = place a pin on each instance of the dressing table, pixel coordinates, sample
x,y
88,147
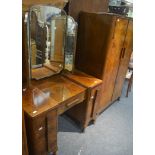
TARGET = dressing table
x,y
42,103
54,86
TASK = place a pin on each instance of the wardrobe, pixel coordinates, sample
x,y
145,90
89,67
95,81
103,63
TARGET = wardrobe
x,y
104,47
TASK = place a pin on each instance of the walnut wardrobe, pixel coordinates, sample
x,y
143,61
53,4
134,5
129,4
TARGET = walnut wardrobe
x,y
104,47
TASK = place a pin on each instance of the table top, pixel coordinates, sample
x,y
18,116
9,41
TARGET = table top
x,y
84,79
49,93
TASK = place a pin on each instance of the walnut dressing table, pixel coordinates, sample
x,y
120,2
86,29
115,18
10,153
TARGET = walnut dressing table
x,y
42,103
46,99
49,43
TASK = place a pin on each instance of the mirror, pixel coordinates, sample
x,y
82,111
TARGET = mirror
x,y
47,33
52,41
70,49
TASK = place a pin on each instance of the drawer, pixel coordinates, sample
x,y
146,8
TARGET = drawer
x,y
39,123
53,146
40,148
52,120
70,103
92,102
39,128
45,121
40,135
52,131
44,133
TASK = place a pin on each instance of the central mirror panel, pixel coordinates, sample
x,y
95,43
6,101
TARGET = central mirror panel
x,y
47,35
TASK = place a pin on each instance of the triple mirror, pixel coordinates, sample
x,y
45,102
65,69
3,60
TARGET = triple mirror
x,y
51,41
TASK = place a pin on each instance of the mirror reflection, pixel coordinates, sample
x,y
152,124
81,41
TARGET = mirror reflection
x,y
70,43
47,30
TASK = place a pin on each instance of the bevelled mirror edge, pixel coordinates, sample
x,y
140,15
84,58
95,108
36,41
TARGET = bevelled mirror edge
x,y
71,38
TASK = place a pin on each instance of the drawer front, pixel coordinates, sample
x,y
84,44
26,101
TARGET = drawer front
x,y
38,122
39,127
70,103
36,133
92,102
43,134
52,131
40,147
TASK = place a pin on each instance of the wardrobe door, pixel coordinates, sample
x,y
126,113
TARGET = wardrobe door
x,y
124,61
94,39
112,61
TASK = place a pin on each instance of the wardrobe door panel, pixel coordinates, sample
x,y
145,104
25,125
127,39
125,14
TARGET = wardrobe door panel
x,y
93,42
124,62
112,62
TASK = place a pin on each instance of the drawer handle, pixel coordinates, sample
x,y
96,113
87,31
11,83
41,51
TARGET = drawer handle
x,y
40,128
92,97
123,53
69,104
34,112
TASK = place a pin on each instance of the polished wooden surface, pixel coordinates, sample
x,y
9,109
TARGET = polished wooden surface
x,y
100,49
49,93
76,6
24,137
124,61
35,102
59,88
82,78
40,73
